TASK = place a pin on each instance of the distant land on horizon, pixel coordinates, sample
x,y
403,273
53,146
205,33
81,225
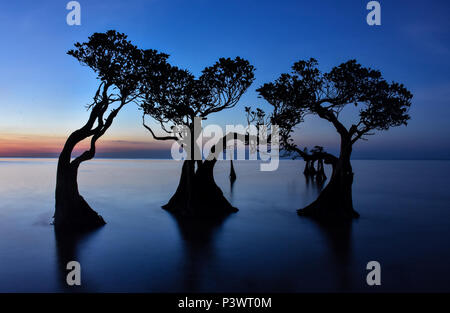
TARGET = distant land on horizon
x,y
165,155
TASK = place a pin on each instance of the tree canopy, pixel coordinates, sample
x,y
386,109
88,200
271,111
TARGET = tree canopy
x,y
181,97
120,66
306,90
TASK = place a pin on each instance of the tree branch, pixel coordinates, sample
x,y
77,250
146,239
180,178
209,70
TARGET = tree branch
x,y
153,134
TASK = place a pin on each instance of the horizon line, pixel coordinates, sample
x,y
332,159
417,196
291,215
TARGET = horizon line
x,y
281,158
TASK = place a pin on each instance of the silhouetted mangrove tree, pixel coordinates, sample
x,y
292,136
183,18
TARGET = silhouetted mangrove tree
x,y
119,66
182,102
306,90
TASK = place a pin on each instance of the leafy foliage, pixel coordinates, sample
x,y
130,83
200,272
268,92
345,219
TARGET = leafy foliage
x,y
122,69
177,97
306,90
115,59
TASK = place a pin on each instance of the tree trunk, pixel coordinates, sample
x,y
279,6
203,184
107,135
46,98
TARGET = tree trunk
x,y
320,173
71,210
306,170
232,172
335,201
309,168
198,194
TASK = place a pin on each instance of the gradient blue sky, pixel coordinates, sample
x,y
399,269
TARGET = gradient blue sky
x,y
43,91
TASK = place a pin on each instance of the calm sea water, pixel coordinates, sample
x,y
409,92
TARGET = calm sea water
x,y
265,247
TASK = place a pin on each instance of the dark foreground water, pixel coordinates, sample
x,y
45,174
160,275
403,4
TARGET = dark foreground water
x,y
404,225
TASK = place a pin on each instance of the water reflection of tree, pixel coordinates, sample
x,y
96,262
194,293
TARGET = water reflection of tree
x,y
338,238
68,246
199,237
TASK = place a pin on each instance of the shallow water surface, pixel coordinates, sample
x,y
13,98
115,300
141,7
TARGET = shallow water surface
x,y
265,247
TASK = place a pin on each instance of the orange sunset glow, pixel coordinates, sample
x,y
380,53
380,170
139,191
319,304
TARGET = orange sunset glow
x,y
26,145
